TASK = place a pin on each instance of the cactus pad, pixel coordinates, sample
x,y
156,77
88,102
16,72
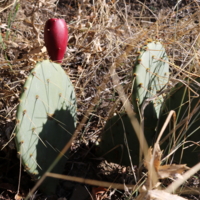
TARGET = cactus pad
x,y
113,144
185,103
46,119
151,75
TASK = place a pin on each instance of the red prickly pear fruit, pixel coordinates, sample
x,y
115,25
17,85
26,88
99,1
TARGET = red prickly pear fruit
x,y
56,38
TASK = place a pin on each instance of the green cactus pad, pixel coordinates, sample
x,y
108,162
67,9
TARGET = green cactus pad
x,y
151,75
46,120
113,144
185,103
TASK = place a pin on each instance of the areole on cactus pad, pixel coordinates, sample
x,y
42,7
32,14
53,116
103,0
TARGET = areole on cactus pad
x,y
56,38
46,120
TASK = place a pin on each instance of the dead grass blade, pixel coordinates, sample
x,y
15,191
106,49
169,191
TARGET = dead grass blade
x,y
92,182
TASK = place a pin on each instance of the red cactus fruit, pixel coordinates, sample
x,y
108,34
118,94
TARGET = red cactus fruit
x,y
56,38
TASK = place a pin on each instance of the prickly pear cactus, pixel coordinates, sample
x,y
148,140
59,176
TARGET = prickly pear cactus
x,y
113,145
151,75
46,120
185,102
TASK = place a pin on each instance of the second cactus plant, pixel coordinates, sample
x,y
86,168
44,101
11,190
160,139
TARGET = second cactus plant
x,y
150,76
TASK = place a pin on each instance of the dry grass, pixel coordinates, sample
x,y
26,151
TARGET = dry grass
x,y
100,33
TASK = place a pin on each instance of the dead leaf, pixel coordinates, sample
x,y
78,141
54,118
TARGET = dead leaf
x,y
156,195
18,197
164,171
169,171
162,195
98,193
156,161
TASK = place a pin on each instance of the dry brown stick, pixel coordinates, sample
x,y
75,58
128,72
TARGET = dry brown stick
x,y
92,182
